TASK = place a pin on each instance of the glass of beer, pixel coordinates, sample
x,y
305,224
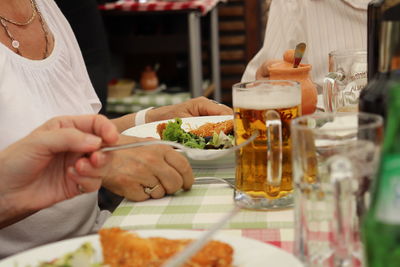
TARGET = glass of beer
x,y
264,167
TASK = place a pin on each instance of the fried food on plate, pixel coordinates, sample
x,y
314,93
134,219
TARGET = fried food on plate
x,y
217,135
205,130
210,128
126,249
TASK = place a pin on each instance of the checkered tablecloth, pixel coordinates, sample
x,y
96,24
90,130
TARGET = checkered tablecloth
x,y
200,208
203,6
140,101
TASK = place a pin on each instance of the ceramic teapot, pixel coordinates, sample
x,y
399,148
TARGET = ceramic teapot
x,y
283,70
148,79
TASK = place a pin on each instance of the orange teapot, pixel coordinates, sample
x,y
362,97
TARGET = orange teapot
x,y
284,70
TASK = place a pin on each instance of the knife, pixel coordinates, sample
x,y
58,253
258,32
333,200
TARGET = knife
x,y
180,258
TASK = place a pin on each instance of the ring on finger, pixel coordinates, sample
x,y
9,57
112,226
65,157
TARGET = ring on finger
x,y
149,190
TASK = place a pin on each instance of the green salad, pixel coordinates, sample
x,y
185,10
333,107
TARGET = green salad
x,y
82,257
174,132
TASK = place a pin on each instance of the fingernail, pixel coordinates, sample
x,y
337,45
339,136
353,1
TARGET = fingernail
x,y
92,140
72,171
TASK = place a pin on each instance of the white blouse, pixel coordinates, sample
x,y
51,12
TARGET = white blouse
x,y
31,92
324,25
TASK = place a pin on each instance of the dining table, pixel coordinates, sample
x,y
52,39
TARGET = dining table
x,y
201,207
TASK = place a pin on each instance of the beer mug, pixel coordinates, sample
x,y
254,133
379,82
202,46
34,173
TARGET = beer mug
x,y
346,78
335,159
264,167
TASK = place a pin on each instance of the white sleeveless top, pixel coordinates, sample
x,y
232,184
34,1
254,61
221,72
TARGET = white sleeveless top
x,y
31,92
324,25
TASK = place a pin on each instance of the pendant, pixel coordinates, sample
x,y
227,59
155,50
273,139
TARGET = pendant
x,y
15,44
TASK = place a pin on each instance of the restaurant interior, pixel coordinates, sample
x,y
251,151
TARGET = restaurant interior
x,y
232,133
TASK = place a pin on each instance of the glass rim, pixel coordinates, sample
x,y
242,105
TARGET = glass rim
x,y
347,52
239,84
377,121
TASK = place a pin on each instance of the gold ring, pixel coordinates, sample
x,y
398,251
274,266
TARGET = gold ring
x,y
149,190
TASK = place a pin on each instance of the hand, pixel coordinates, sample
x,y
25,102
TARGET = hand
x,y
132,170
262,72
200,106
38,170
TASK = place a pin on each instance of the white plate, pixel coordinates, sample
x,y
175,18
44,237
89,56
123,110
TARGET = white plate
x,y
247,252
150,130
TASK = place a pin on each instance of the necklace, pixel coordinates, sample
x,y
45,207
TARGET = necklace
x,y
14,43
29,21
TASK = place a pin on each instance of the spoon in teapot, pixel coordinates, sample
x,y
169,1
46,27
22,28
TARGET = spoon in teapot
x,y
298,54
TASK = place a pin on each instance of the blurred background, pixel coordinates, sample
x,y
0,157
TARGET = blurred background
x,y
126,51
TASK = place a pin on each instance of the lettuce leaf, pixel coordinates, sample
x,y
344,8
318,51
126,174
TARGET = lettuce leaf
x,y
174,132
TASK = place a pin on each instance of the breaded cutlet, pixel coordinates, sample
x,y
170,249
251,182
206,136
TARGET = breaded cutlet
x,y
126,249
210,128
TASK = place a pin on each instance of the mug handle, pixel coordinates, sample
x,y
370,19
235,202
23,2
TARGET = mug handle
x,y
341,174
330,90
274,156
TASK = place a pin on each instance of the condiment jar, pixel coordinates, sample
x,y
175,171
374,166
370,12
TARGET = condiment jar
x,y
148,79
283,70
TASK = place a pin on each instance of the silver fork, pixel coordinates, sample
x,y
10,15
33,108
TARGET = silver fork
x,y
193,153
212,179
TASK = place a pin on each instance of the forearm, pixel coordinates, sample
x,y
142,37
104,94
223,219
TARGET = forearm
x,y
11,210
124,122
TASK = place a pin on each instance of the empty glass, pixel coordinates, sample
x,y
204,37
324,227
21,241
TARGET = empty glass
x,y
346,78
335,157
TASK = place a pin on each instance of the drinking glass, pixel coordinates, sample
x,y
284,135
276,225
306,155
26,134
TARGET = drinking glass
x,y
264,167
346,78
335,158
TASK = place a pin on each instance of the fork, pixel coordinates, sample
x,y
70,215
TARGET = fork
x,y
209,179
192,153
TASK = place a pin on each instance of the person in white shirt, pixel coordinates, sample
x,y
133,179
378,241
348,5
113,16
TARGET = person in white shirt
x,y
38,170
324,25
43,75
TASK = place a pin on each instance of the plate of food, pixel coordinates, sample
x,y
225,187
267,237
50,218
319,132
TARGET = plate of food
x,y
209,133
113,246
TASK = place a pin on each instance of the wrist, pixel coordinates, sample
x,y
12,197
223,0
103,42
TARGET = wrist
x,y
10,212
141,116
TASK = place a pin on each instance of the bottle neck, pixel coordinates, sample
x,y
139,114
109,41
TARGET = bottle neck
x,y
389,46
391,144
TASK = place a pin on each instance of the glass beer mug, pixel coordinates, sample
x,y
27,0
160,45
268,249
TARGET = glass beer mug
x,y
263,168
346,78
335,158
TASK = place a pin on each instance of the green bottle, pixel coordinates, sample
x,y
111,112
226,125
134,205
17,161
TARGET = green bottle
x,y
381,224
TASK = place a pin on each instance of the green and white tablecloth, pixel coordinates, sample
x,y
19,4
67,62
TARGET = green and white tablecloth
x,y
140,101
201,207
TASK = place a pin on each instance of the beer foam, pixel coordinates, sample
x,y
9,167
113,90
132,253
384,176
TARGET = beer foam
x,y
266,99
